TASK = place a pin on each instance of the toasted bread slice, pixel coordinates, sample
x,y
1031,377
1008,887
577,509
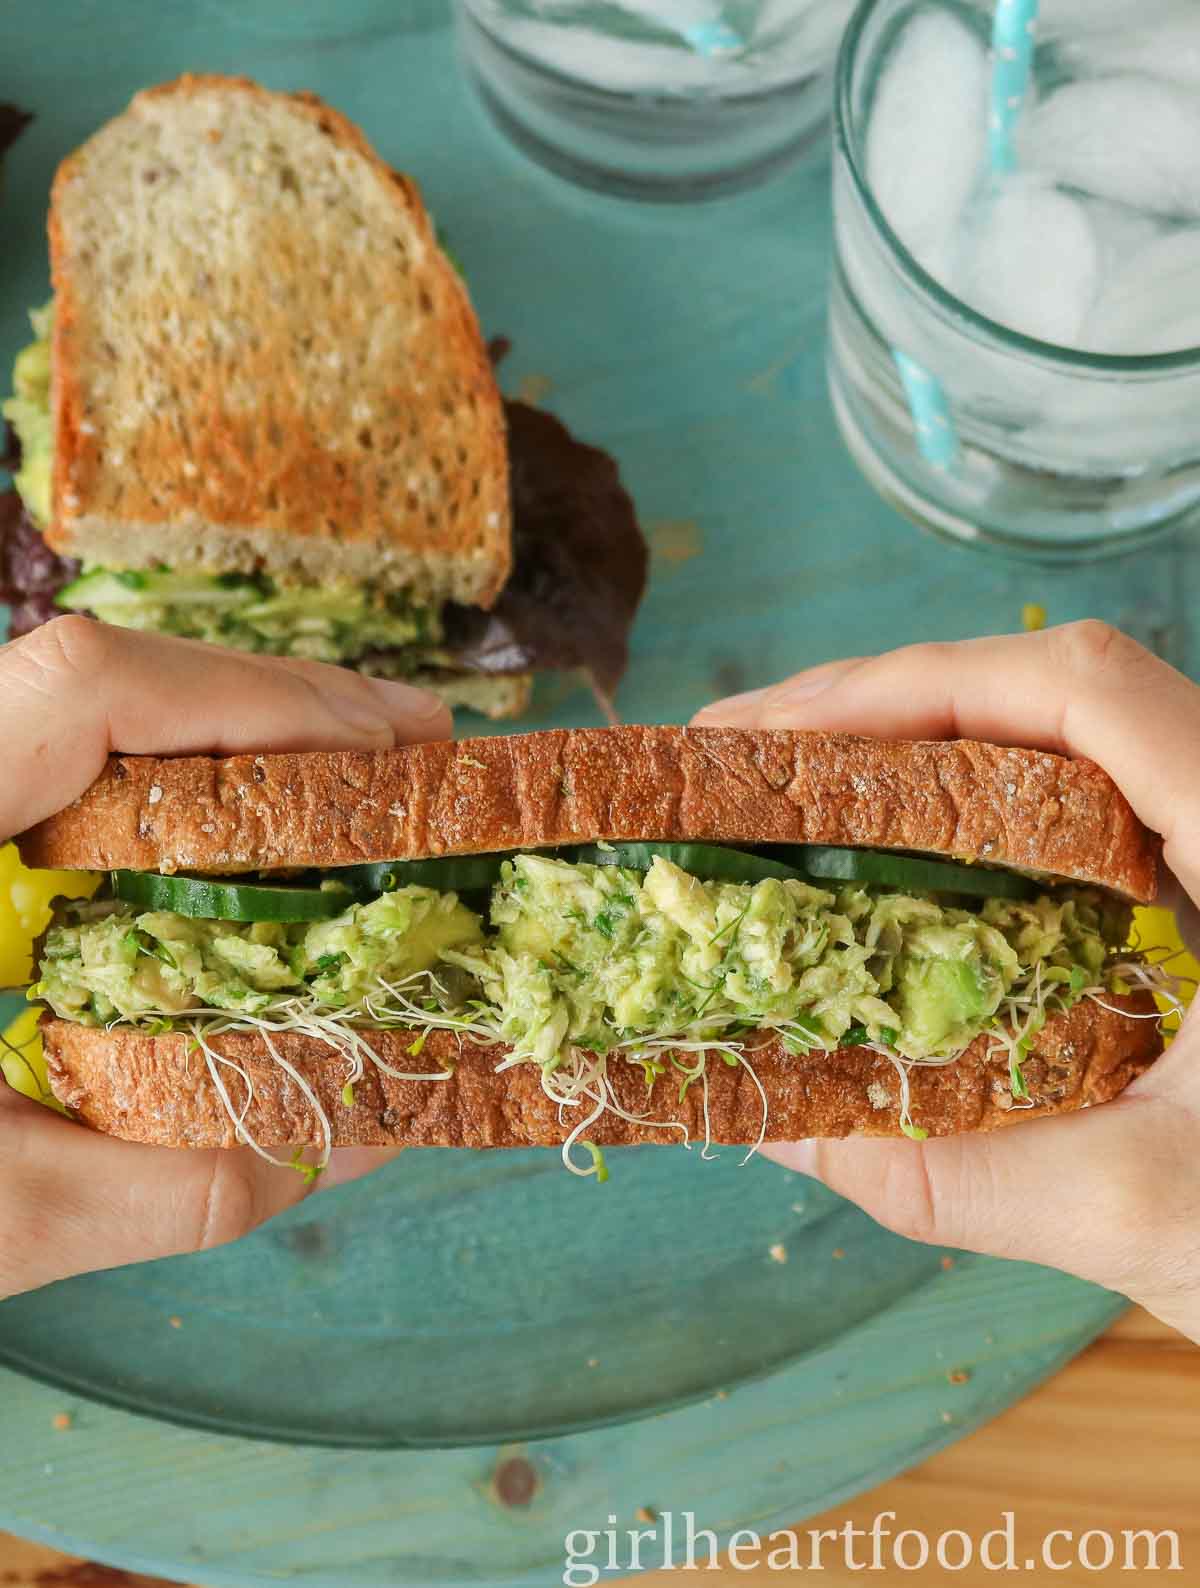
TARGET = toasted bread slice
x,y
152,1089
1018,808
262,358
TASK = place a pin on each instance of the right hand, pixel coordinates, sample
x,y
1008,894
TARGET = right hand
x,y
1113,1193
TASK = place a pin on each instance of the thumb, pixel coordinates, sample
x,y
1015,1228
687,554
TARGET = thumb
x,y
1111,1194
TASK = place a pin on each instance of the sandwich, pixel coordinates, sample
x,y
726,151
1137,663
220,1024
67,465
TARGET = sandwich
x,y
259,411
594,937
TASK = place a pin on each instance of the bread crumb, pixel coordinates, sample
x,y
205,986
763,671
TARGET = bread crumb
x,y
645,1513
947,1417
947,1263
778,1252
958,1375
593,1361
799,1207
534,389
839,1252
176,1323
62,1421
878,1095
721,1395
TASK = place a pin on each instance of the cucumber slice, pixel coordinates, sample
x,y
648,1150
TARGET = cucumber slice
x,y
449,874
907,873
215,900
709,862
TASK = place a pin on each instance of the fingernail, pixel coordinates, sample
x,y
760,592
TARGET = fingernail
x,y
749,709
352,1163
799,1156
734,709
360,711
813,681
403,701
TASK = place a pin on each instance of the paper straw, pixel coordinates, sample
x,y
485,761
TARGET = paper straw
x,y
1014,27
936,435
1013,33
701,24
714,38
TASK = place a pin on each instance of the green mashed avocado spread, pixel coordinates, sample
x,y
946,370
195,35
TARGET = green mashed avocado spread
x,y
577,956
334,622
28,411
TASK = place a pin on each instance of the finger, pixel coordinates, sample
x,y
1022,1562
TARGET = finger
x,y
75,690
1084,690
737,711
72,1201
1110,1194
1172,897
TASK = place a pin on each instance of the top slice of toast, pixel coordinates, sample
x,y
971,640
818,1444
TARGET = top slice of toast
x,y
1006,807
262,358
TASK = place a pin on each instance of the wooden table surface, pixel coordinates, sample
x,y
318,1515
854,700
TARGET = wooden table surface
x,y
1049,1459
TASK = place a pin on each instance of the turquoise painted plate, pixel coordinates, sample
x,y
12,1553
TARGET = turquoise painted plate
x,y
339,1390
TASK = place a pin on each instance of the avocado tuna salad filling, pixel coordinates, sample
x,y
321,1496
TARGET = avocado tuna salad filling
x,y
575,963
579,570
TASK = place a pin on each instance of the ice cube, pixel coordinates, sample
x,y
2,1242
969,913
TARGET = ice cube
x,y
1121,232
619,65
798,32
1167,47
1030,260
928,129
1072,17
1126,138
1152,305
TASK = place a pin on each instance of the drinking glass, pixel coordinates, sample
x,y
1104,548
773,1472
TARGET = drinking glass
x,y
665,99
1014,315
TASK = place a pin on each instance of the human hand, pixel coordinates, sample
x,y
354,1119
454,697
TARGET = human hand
x,y
70,693
1111,1194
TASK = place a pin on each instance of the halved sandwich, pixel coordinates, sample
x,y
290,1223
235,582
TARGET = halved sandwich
x,y
593,937
259,411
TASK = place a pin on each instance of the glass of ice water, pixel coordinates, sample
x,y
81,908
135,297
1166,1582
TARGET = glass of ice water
x,y
1015,318
667,99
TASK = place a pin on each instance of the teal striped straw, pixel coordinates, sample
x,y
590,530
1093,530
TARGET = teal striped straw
x,y
714,37
936,435
1014,28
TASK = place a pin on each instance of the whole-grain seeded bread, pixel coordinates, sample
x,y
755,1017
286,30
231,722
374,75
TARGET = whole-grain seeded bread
x,y
1018,808
153,1089
262,359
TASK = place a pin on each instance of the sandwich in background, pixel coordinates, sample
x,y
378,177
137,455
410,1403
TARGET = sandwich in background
x,y
259,411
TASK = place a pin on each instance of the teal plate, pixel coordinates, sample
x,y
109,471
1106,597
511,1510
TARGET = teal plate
x,y
340,1388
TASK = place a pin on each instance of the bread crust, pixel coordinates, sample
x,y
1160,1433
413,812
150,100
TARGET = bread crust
x,y
232,484
1017,808
150,1089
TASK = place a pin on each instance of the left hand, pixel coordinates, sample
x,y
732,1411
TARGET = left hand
x,y
71,693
